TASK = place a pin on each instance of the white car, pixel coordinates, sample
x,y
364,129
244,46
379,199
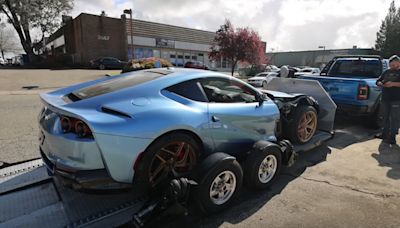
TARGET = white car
x,y
262,79
308,71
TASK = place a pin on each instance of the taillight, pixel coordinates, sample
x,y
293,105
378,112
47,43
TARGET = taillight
x,y
82,130
363,92
66,124
76,126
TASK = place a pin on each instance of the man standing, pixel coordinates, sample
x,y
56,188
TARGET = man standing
x,y
390,103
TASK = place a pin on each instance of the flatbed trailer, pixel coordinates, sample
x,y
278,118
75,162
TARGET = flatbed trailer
x,y
29,197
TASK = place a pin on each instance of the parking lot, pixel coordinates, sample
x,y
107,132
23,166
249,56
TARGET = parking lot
x,y
351,181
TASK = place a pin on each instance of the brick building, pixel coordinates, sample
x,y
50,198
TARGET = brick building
x,y
88,37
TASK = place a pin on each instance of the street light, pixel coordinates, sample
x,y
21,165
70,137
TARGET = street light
x,y
322,47
129,11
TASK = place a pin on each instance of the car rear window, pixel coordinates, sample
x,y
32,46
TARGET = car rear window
x,y
118,83
357,67
189,90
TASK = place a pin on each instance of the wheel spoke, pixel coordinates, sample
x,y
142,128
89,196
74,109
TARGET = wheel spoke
x,y
226,178
220,194
157,171
168,151
181,146
161,158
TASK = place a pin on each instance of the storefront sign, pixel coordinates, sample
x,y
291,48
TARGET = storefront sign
x,y
100,37
165,43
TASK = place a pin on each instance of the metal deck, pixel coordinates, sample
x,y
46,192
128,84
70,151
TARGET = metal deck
x,y
31,198
318,139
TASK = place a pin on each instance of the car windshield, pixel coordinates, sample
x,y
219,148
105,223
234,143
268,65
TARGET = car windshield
x,y
363,68
118,83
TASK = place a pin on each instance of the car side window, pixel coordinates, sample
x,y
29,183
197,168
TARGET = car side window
x,y
189,89
221,90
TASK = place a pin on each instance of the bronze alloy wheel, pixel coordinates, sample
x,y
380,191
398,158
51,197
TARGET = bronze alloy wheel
x,y
307,126
177,157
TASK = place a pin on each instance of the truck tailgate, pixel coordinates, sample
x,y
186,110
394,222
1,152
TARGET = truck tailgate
x,y
341,90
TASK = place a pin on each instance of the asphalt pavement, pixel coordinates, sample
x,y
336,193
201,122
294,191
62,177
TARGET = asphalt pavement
x,y
351,181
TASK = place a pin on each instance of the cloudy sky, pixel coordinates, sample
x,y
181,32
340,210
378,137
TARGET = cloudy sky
x,y
284,24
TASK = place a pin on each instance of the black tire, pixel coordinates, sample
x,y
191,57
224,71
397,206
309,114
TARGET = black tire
x,y
293,126
201,193
264,85
375,121
102,67
253,164
143,171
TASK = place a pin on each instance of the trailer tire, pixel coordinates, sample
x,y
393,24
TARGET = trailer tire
x,y
219,187
262,167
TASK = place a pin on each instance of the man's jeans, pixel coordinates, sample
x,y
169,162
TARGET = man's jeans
x,y
391,119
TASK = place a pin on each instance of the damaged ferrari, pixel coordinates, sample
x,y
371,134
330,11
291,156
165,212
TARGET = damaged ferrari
x,y
140,127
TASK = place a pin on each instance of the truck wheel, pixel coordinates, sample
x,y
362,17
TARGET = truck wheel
x,y
304,124
262,168
375,121
219,188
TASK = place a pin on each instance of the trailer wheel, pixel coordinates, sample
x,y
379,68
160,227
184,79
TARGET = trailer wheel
x,y
304,124
219,188
262,167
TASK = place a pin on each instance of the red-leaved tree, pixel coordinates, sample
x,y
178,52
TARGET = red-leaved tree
x,y
242,44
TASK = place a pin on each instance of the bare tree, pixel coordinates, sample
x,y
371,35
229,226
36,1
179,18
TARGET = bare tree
x,y
8,40
25,15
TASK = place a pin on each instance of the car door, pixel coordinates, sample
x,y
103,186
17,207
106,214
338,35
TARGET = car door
x,y
114,63
237,119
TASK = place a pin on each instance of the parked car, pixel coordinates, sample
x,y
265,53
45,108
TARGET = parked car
x,y
307,71
262,79
140,126
2,62
107,63
350,81
196,65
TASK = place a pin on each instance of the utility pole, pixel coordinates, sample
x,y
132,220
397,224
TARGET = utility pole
x,y
129,11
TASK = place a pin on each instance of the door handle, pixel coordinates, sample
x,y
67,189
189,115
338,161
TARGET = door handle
x,y
215,119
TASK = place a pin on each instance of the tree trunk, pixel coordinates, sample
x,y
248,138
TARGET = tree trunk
x,y
2,54
233,66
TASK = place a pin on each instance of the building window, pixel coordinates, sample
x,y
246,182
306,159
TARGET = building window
x,y
143,53
187,57
157,53
172,56
194,57
201,54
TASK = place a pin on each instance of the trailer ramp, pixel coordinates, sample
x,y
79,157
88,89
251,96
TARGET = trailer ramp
x,y
29,197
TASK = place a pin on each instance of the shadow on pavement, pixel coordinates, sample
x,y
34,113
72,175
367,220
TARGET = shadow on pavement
x,y
350,130
389,156
251,201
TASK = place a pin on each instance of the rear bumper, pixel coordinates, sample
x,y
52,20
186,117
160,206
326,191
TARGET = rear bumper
x,y
97,179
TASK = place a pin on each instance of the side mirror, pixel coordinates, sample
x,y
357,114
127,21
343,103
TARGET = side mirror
x,y
260,99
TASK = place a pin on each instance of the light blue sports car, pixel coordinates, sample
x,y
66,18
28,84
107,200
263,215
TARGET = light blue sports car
x,y
143,125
